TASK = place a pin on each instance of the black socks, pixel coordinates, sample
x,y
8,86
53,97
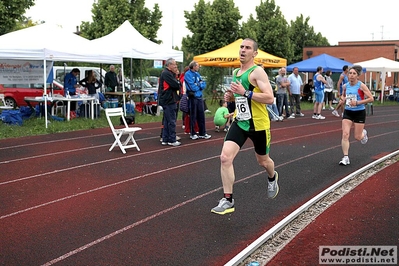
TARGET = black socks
x,y
228,196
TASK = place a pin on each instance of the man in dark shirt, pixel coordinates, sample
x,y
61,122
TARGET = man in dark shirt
x,y
168,98
111,80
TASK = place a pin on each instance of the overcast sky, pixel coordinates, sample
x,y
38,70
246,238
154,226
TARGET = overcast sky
x,y
340,20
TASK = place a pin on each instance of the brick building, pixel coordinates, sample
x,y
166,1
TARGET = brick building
x,y
360,51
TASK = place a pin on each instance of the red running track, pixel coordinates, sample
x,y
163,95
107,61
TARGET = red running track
x,y
366,216
66,200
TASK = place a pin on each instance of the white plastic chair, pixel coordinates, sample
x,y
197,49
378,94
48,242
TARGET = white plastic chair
x,y
130,142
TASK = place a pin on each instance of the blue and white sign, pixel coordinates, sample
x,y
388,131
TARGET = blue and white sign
x,y
23,71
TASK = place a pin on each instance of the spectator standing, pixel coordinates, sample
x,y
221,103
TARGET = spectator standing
x,y
70,86
282,96
91,83
121,80
308,91
195,84
319,83
71,82
328,91
295,88
169,87
252,91
111,80
355,95
343,79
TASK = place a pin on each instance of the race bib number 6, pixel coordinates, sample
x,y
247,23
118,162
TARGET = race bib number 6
x,y
242,108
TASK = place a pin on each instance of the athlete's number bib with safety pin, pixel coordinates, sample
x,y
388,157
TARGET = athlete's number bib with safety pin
x,y
349,98
242,107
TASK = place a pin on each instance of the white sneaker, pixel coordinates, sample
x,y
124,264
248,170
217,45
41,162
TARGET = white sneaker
x,y
335,112
291,116
207,111
206,136
320,117
176,143
281,118
194,137
314,116
345,161
365,138
300,114
331,108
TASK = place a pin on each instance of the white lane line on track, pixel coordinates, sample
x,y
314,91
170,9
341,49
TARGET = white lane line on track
x,y
153,173
154,151
138,140
280,225
161,171
249,249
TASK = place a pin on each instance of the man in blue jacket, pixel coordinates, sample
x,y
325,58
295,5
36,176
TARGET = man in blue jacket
x,y
195,84
169,85
71,82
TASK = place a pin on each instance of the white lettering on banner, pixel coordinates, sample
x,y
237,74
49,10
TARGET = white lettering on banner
x,y
358,255
23,71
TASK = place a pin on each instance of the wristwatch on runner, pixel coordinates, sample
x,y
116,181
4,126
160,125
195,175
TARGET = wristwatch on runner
x,y
246,94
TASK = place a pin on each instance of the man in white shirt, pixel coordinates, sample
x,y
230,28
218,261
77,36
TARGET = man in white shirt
x,y
296,84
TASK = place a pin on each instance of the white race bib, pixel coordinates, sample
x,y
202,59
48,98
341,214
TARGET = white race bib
x,y
242,108
349,98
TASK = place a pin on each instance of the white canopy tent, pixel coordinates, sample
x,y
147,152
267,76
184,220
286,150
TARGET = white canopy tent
x,y
382,65
49,42
131,44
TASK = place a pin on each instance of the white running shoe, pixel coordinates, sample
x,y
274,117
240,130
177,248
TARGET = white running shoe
x,y
320,117
365,138
314,116
345,161
335,112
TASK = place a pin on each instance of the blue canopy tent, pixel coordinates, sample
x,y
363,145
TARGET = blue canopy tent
x,y
326,61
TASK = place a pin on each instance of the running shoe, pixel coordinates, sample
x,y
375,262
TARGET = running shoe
x,y
365,138
314,116
194,137
206,136
164,143
272,187
176,143
217,129
291,116
226,129
345,161
300,114
335,112
224,207
320,117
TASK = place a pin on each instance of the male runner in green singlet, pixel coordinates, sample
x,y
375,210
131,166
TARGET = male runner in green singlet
x,y
251,91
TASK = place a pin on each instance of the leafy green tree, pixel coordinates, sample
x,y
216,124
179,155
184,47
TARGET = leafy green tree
x,y
302,35
269,29
210,31
110,14
12,11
